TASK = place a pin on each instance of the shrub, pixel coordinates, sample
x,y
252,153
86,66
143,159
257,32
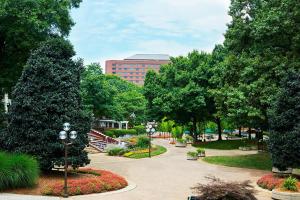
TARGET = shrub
x,y
220,190
140,130
17,170
142,142
290,184
270,181
181,140
107,181
120,132
192,153
117,151
200,150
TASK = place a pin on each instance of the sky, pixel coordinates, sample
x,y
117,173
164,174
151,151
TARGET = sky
x,y
116,29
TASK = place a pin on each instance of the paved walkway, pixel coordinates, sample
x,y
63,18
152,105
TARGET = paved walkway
x,y
166,177
169,176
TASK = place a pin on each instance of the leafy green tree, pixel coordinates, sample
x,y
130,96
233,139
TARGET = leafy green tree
x,y
46,96
285,124
23,25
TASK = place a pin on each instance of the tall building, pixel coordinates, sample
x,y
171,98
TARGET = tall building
x,y
134,68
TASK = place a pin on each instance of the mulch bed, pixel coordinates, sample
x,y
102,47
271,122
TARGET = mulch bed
x,y
82,181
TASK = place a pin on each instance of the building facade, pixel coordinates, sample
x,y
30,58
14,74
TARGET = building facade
x,y
134,68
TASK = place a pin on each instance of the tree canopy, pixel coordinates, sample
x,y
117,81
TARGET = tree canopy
x,y
46,96
23,25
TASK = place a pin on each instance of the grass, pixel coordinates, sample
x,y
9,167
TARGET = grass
x,y
260,161
159,150
17,170
224,144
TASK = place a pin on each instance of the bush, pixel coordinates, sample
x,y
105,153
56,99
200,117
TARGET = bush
x,y
17,170
120,132
142,142
270,182
181,141
192,154
140,130
220,190
117,151
200,150
290,184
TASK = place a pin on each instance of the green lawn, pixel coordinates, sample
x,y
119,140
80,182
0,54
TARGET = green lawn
x,y
159,150
224,144
260,161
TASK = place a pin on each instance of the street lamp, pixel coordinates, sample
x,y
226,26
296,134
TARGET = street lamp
x,y
67,139
150,130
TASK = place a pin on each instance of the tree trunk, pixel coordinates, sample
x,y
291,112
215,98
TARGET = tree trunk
x,y
218,121
249,135
194,129
240,131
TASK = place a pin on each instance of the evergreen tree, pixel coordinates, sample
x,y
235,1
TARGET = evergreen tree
x,y
285,124
46,96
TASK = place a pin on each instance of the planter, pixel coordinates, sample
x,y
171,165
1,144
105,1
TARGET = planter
x,y
296,172
279,195
201,154
286,172
192,157
245,148
179,144
254,148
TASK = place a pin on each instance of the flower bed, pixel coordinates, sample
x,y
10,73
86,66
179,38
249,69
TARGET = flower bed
x,y
271,181
98,181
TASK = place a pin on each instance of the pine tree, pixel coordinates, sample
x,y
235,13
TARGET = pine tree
x,y
285,124
46,96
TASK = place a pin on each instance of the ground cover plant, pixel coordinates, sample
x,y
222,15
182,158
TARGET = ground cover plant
x,y
17,170
225,144
260,161
137,154
220,190
97,181
272,181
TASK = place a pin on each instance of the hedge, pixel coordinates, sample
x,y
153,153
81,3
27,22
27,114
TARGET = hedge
x,y
17,170
140,129
120,132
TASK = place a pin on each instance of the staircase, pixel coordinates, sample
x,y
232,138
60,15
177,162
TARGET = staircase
x,y
99,141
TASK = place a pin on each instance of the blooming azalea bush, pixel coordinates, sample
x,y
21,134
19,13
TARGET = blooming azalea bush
x,y
270,181
99,181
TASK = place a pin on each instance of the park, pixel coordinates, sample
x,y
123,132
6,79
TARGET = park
x,y
213,124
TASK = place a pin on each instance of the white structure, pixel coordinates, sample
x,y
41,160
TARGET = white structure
x,y
108,123
6,102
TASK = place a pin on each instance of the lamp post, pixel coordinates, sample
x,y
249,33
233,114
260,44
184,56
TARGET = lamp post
x,y
67,138
150,130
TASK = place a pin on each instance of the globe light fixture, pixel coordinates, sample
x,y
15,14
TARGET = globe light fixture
x,y
67,140
150,130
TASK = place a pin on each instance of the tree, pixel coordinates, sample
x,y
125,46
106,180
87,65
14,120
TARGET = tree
x,y
46,96
285,124
23,25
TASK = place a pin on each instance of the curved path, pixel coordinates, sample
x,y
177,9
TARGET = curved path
x,y
169,176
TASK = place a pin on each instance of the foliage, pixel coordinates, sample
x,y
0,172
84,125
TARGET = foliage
x,y
112,97
260,161
225,144
180,140
117,151
119,132
284,141
145,153
290,184
270,182
177,132
17,170
142,142
23,25
140,130
107,181
46,96
192,153
200,150
220,190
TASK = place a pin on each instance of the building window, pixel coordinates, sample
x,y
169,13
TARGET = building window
x,y
137,77
125,68
131,76
131,72
137,69
114,72
113,68
120,69
125,76
143,65
137,73
114,65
